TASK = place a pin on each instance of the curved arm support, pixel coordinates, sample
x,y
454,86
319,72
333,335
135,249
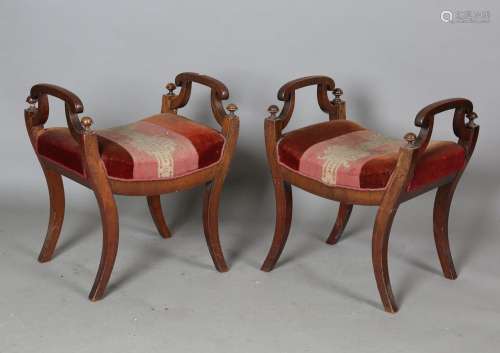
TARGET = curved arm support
x,y
74,103
185,81
37,116
218,110
466,132
219,93
324,84
286,91
73,106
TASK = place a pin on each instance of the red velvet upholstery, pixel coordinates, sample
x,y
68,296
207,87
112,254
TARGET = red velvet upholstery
x,y
159,147
343,153
296,142
58,145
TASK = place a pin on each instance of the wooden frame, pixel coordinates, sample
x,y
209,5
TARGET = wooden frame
x,y
95,176
388,199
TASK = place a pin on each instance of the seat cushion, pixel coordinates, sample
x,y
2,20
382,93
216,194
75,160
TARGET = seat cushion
x,y
159,147
343,153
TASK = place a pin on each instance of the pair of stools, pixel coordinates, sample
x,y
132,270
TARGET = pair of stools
x,y
338,159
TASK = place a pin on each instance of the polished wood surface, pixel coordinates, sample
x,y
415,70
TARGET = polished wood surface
x,y
284,206
343,216
442,203
396,185
282,191
387,199
213,189
56,213
45,89
95,176
154,204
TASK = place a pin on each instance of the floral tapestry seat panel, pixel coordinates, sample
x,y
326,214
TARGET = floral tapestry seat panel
x,y
162,146
343,153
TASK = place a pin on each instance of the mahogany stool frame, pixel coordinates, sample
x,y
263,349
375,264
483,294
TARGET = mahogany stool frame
x,y
96,178
387,199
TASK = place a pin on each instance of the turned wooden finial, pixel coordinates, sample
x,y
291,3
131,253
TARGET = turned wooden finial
x,y
171,88
338,93
31,101
410,138
471,116
231,107
87,122
273,110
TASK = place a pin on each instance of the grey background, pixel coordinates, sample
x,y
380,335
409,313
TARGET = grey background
x,y
390,57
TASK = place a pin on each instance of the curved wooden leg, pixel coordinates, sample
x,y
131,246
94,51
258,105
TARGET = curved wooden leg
x,y
340,224
56,195
442,203
284,205
109,218
154,204
211,198
380,244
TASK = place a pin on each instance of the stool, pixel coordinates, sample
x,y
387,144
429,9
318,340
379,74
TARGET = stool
x,y
343,161
156,155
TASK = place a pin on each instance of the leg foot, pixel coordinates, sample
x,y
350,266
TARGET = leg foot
x,y
56,194
340,224
283,192
155,209
380,244
211,198
109,218
442,203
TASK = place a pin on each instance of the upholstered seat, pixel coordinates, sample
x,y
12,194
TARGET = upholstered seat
x,y
159,147
345,162
343,153
157,155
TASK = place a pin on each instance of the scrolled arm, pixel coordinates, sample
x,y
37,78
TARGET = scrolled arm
x,y
426,114
71,99
73,106
185,81
219,92
217,86
286,94
466,132
288,89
